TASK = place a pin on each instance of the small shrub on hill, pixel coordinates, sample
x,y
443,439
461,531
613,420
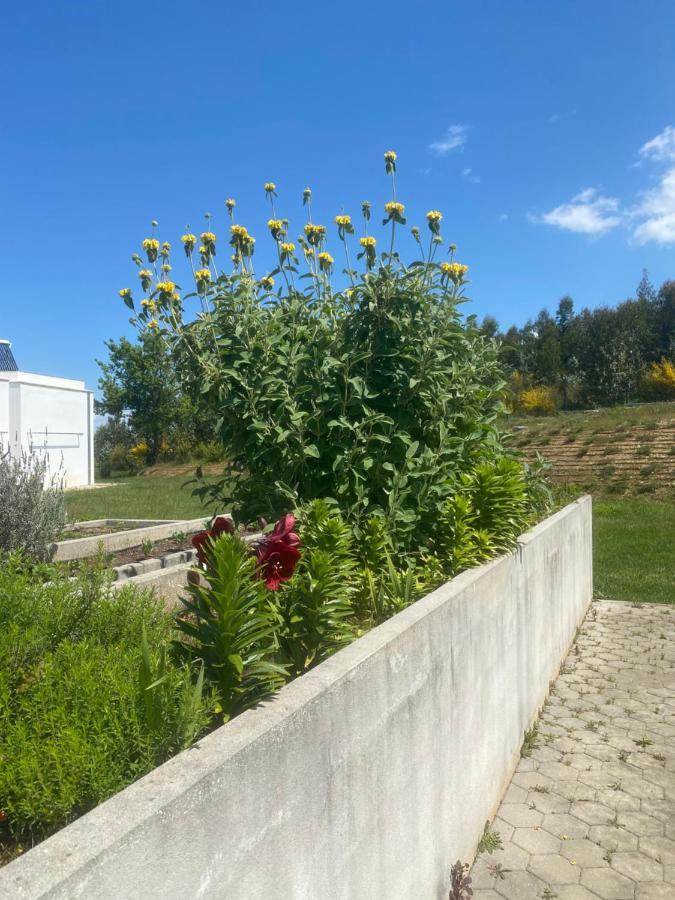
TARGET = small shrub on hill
x,y
539,400
659,381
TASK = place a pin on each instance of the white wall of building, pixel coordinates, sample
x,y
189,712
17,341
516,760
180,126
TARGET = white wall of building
x,y
50,416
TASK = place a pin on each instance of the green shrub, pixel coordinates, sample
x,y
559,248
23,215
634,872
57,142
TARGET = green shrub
x,y
229,626
315,606
379,396
112,442
539,400
85,707
32,508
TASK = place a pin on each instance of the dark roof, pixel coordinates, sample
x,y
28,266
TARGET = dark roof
x,y
7,361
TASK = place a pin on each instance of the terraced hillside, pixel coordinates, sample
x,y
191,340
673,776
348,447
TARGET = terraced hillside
x,y
623,451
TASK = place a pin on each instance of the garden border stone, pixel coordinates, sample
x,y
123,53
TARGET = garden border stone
x,y
368,776
142,530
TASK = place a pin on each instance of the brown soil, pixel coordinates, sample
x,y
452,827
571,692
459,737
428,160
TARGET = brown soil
x,y
95,531
637,459
184,469
159,548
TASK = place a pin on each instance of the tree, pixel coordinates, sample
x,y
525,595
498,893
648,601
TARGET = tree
x,y
139,386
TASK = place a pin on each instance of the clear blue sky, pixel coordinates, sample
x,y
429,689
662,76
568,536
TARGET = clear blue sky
x,y
541,130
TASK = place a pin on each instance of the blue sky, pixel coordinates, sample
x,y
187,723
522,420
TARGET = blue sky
x,y
543,131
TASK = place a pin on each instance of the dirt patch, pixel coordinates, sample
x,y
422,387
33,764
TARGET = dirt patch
x,y
96,530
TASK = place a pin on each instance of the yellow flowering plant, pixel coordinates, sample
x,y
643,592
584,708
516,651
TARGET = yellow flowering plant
x,y
365,386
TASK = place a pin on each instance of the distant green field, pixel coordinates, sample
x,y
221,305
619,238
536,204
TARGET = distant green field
x,y
155,497
634,550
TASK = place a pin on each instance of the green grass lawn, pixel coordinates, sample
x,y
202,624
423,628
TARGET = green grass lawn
x,y
153,497
634,550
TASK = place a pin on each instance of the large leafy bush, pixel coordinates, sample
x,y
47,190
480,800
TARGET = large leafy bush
x,y
378,396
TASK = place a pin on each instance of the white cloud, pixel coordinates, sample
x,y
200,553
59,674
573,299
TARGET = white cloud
x,y
587,213
656,207
467,172
660,147
453,139
658,211
556,117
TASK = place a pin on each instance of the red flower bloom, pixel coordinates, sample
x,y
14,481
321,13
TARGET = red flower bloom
x,y
220,525
283,531
277,561
278,553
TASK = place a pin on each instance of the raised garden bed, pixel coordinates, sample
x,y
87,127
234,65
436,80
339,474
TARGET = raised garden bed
x,y
369,775
115,535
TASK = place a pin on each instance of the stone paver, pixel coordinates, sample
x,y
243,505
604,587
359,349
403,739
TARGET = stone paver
x,y
590,813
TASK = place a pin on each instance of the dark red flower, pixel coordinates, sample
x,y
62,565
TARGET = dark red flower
x,y
283,531
220,525
277,560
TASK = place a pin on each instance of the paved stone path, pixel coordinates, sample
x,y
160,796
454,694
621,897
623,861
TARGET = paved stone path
x,y
590,813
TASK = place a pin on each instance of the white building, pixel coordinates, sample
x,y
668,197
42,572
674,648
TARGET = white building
x,y
54,416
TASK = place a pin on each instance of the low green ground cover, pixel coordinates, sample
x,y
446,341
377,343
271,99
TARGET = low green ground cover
x,y
634,550
90,699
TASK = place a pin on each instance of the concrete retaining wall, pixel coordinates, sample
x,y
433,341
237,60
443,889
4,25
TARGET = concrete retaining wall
x,y
363,780
139,530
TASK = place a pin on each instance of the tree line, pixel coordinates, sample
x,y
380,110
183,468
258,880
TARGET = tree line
x,y
596,356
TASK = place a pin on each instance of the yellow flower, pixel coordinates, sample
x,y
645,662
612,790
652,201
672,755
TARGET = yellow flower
x,y
267,282
166,287
146,278
230,204
287,247
166,267
315,233
151,247
207,238
434,219
149,305
368,243
393,207
390,162
270,187
415,232
153,323
203,275
277,228
343,220
454,271
166,249
189,241
325,261
306,196
124,293
241,240
365,209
